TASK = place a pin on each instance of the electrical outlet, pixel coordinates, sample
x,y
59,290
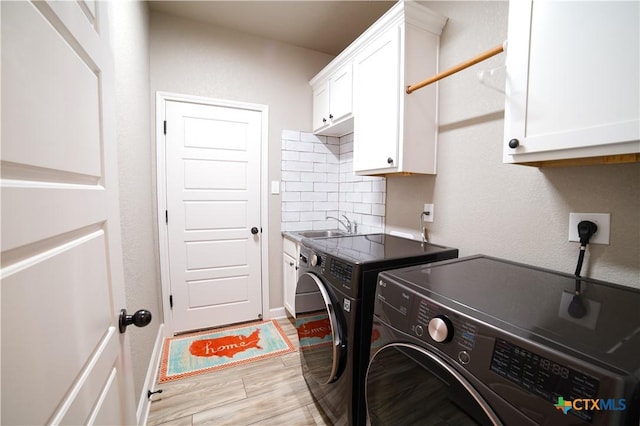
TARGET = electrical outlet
x,y
428,208
602,220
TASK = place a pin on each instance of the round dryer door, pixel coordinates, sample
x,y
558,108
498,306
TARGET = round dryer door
x,y
319,330
407,385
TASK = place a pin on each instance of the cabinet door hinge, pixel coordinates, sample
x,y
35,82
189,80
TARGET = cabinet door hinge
x,y
165,127
171,301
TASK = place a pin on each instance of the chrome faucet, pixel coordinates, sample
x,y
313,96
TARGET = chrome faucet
x,y
423,228
349,226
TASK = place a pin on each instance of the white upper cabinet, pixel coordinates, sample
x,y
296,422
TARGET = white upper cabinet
x,y
396,132
333,103
363,91
573,94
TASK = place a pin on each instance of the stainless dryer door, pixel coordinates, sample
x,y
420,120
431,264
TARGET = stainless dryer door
x,y
319,330
407,385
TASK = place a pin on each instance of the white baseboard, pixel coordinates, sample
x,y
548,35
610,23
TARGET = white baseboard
x,y
152,377
277,313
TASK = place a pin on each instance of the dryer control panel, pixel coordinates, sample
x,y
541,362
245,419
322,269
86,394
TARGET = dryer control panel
x,y
425,319
497,356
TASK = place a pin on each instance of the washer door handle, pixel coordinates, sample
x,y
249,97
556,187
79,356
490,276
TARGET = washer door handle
x,y
337,344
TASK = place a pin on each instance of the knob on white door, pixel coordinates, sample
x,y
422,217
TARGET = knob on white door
x,y
141,318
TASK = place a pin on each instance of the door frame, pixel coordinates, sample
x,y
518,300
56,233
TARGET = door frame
x,y
161,184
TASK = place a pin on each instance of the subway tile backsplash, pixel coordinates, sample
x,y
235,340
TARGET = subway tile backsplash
x,y
318,181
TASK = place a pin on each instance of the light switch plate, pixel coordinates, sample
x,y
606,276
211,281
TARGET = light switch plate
x,y
275,187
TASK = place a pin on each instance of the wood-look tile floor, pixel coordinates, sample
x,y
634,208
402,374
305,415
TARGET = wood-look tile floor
x,y
267,392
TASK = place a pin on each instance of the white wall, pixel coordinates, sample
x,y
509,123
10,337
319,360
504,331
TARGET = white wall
x,y
129,33
195,59
515,212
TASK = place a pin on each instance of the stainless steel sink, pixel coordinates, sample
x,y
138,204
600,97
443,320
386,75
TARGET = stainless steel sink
x,y
321,234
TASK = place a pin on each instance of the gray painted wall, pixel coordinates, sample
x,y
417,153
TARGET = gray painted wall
x,y
195,59
510,211
130,43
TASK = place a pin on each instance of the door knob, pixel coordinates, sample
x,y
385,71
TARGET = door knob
x,y
254,230
141,318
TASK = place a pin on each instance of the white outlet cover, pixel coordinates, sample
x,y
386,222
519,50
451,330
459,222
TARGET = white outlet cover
x,y
428,208
602,220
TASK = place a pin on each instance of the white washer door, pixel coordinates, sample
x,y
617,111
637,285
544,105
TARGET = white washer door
x,y
320,332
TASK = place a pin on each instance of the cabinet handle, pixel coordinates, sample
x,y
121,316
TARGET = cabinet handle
x,y
324,120
390,160
290,263
331,116
513,143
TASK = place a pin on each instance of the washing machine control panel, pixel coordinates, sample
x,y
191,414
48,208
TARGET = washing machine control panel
x,y
342,275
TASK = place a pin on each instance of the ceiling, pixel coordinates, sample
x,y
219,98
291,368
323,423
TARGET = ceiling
x,y
324,26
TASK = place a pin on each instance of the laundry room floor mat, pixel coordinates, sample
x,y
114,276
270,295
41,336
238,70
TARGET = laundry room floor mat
x,y
207,351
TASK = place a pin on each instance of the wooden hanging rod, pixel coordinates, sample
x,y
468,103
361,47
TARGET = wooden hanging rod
x,y
481,57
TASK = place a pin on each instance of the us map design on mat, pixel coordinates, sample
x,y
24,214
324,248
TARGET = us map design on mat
x,y
227,346
197,353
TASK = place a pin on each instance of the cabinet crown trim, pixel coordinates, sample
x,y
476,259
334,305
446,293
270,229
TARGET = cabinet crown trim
x,y
409,12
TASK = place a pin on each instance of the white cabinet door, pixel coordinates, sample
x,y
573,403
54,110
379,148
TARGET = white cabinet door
x,y
572,85
321,108
376,104
332,104
290,255
290,276
340,103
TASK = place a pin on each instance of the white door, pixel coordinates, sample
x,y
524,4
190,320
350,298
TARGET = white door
x,y
213,205
63,358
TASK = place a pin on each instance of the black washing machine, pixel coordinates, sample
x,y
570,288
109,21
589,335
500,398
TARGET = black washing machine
x,y
480,340
334,310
